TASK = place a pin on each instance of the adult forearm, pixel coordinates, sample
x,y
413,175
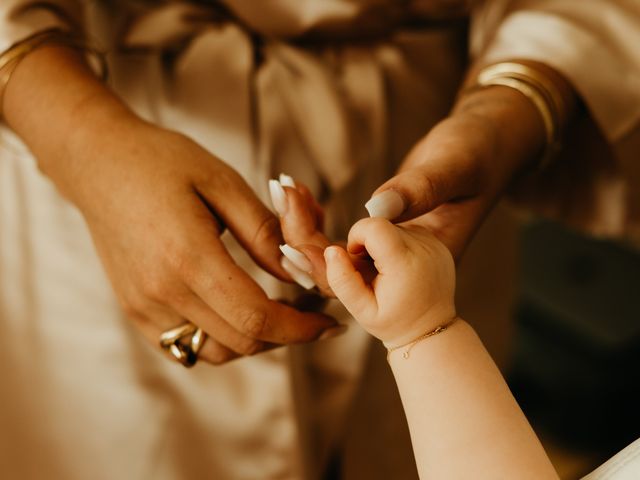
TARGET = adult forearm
x,y
54,102
453,176
497,129
517,123
464,422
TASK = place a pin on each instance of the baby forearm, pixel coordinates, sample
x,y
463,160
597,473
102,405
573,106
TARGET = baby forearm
x,y
464,422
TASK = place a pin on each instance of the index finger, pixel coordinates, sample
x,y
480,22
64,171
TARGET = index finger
x,y
237,298
380,238
254,226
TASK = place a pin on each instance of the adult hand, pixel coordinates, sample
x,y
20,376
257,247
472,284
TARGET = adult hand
x,y
301,220
168,263
155,203
454,175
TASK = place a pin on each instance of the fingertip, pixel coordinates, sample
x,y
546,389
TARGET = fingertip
x,y
278,197
334,263
331,253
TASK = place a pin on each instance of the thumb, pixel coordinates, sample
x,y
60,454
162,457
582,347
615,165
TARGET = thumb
x,y
424,184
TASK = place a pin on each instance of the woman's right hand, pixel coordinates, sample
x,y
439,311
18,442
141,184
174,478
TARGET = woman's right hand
x,y
156,203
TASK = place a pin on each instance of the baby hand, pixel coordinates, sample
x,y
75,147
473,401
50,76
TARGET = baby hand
x,y
413,290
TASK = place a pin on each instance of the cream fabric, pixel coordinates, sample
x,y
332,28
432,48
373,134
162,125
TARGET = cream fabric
x,y
623,466
592,186
333,92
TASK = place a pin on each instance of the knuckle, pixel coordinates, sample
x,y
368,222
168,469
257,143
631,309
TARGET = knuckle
x,y
178,261
134,307
165,287
268,231
254,323
177,297
155,289
224,178
187,267
429,188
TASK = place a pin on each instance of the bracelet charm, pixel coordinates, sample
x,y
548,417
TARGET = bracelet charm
x,y
407,353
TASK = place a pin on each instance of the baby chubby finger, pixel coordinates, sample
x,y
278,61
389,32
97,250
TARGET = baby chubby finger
x,y
381,240
347,283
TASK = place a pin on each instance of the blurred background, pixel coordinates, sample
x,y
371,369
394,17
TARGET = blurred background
x,y
560,313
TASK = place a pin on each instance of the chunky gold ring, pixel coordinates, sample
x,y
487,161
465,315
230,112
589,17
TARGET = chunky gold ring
x,y
185,353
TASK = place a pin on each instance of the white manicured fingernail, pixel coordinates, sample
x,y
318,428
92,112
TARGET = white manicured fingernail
x,y
388,204
301,278
287,181
296,257
278,197
333,332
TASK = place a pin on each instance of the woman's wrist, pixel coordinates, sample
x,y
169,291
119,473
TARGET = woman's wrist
x,y
513,128
55,103
526,102
493,133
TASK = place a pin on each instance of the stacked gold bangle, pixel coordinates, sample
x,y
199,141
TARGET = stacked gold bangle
x,y
10,58
542,92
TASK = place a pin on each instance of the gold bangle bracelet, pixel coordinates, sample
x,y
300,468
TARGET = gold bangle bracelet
x,y
536,99
532,76
541,92
407,353
11,58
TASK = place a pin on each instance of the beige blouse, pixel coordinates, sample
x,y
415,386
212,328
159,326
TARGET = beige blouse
x,y
332,92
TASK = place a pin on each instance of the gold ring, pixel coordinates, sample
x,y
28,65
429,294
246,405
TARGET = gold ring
x,y
185,353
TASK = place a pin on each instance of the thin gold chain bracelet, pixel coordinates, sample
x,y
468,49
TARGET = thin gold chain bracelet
x,y
409,346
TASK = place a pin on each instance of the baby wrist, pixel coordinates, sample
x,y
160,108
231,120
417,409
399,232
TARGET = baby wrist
x,y
405,346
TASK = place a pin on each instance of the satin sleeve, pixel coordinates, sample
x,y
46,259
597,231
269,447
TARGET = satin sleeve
x,y
593,44
593,184
22,18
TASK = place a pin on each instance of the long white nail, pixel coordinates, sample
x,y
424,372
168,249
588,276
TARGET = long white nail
x,y
296,257
278,197
388,204
301,278
287,181
333,332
